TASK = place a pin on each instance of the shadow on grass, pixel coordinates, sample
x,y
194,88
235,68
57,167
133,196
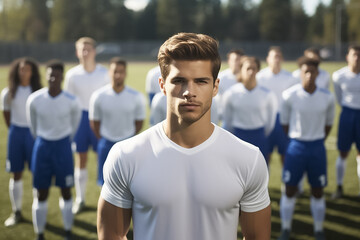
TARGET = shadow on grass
x,y
341,222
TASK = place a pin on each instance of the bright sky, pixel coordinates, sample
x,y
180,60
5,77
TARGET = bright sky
x,y
309,5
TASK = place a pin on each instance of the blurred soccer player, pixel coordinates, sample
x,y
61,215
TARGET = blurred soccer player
x,y
347,90
24,78
81,81
276,80
54,116
323,79
307,114
185,178
116,112
249,109
152,83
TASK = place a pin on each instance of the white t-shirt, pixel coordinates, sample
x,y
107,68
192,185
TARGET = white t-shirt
x,y
158,109
82,84
307,114
322,80
152,80
277,83
180,193
227,79
249,109
117,112
17,105
347,88
53,118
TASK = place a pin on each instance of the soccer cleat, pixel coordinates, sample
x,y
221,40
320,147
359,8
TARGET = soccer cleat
x,y
338,193
319,236
68,235
285,235
14,219
40,236
78,207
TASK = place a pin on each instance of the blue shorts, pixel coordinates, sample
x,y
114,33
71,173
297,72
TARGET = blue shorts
x,y
349,129
305,156
84,136
19,148
254,136
104,147
277,138
52,159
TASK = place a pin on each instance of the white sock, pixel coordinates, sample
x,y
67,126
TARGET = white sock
x,y
39,212
340,170
81,177
358,167
67,215
301,184
287,206
16,194
318,206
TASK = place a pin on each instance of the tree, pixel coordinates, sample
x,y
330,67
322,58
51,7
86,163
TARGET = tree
x,y
353,9
37,23
210,18
330,21
12,21
299,21
275,20
146,22
316,25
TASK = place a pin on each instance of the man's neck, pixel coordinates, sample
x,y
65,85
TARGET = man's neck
x,y
355,69
189,135
310,88
54,91
89,66
250,85
118,89
275,69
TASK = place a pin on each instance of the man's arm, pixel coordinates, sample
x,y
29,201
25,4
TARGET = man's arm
x,y
138,126
256,225
6,115
112,222
286,129
95,126
327,130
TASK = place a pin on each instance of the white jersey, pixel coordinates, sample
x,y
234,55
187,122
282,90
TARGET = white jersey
x,y
117,112
158,110
277,83
307,114
198,190
53,118
17,105
82,84
152,80
347,88
322,80
249,109
227,79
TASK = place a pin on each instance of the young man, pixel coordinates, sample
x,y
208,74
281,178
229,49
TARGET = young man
x,y
152,83
185,178
24,78
54,116
116,112
307,115
81,81
276,80
249,109
347,90
323,79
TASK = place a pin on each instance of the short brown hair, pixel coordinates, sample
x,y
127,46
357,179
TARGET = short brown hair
x,y
312,50
354,47
275,48
86,40
188,47
250,59
307,61
118,61
237,51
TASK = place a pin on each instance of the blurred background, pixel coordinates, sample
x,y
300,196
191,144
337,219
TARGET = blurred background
x,y
46,29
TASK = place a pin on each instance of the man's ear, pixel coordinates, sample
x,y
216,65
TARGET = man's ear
x,y
162,85
216,87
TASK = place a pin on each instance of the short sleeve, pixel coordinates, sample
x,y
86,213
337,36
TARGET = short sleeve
x,y
330,113
256,196
5,100
140,112
285,109
116,188
94,108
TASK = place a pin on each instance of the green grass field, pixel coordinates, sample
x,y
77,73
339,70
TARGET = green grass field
x,y
342,216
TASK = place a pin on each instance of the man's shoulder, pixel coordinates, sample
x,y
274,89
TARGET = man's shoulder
x,y
340,73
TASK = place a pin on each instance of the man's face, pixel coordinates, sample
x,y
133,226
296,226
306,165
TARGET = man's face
x,y
117,74
234,62
274,58
308,74
189,89
248,71
25,72
54,77
85,51
353,58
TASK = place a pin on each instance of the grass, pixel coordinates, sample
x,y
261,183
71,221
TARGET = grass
x,y
342,216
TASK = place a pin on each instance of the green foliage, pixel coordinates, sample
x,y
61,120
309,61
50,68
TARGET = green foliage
x,y
316,25
353,9
331,19
299,22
